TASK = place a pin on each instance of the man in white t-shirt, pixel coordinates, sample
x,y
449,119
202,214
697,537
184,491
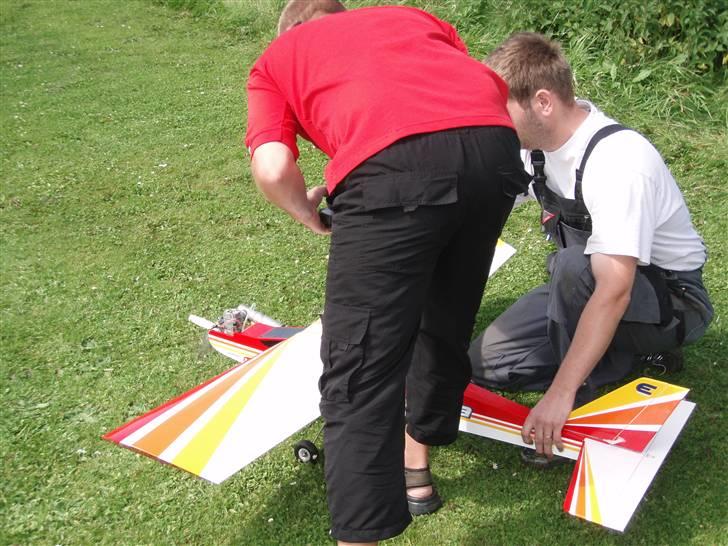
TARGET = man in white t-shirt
x,y
626,281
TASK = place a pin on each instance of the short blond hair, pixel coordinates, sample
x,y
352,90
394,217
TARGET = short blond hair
x,y
300,11
529,61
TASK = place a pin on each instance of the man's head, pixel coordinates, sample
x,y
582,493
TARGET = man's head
x,y
300,11
540,82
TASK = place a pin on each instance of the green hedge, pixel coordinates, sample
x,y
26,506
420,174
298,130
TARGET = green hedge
x,y
693,33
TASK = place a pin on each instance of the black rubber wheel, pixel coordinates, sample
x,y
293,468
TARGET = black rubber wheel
x,y
306,452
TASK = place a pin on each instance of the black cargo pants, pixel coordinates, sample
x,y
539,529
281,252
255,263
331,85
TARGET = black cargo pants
x,y
414,231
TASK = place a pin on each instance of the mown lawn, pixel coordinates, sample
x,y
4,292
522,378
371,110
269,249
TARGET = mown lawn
x,y
126,203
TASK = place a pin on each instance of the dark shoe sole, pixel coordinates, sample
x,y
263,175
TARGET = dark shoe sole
x,y
530,457
424,506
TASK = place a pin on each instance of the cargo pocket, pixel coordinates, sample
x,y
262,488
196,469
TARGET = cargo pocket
x,y
644,305
342,349
571,236
514,179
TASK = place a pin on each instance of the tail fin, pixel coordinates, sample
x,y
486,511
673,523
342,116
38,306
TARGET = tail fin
x,y
630,416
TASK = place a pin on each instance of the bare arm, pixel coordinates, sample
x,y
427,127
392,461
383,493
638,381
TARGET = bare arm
x,y
614,276
281,182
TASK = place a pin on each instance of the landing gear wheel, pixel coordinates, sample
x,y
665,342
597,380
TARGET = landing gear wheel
x,y
306,452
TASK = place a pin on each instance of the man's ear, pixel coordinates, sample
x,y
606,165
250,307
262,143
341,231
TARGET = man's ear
x,y
542,102
289,27
316,15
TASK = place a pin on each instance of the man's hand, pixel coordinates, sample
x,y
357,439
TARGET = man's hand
x,y
314,196
280,180
543,425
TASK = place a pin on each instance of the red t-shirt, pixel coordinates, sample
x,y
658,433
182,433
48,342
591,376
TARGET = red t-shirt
x,y
357,81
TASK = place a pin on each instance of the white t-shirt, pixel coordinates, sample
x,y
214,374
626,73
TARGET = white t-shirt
x,y
636,207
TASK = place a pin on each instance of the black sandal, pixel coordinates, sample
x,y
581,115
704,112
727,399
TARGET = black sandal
x,y
421,477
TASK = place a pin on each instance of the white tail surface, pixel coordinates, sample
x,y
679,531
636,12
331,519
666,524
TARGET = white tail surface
x,y
609,482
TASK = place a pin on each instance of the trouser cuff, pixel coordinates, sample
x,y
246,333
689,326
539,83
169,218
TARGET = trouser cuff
x,y
431,439
369,535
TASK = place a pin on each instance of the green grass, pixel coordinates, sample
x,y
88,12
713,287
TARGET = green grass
x,y
126,203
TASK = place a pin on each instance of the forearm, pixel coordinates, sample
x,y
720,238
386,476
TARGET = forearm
x,y
614,276
593,335
281,182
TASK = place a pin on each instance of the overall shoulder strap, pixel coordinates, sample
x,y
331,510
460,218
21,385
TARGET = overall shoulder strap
x,y
538,161
599,135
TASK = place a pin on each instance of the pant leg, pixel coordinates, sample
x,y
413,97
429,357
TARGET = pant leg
x,y
523,347
440,368
375,288
514,352
390,227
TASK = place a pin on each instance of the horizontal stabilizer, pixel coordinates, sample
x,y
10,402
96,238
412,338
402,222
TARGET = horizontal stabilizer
x,y
608,481
630,416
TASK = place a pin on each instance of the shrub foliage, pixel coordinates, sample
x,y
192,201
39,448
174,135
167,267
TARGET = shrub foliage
x,y
694,32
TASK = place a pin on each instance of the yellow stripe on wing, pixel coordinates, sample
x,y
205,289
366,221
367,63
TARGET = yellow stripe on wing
x,y
640,392
196,454
596,516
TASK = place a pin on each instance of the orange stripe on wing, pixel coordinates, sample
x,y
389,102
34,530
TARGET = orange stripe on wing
x,y
582,491
654,414
158,439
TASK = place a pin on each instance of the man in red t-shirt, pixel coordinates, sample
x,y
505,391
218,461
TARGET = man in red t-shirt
x,y
424,165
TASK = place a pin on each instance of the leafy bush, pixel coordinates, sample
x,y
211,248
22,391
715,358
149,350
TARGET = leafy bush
x,y
691,33
667,58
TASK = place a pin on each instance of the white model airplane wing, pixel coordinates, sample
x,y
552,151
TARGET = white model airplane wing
x,y
221,426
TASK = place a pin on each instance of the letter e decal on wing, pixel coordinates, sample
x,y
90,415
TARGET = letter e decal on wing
x,y
646,389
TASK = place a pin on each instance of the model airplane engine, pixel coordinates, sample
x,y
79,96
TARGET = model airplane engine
x,y
231,321
235,320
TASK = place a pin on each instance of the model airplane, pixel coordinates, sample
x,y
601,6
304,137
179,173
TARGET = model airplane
x,y
219,427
